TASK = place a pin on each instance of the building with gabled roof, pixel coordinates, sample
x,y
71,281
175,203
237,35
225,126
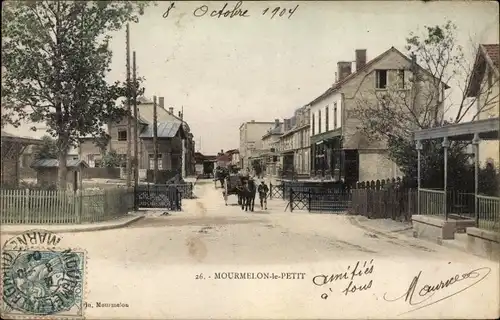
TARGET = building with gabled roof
x,y
175,141
339,149
484,87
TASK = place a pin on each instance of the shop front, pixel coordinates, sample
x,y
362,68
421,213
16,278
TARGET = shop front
x,y
327,155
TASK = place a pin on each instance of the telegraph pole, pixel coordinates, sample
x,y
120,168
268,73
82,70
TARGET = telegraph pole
x,y
155,141
129,115
134,101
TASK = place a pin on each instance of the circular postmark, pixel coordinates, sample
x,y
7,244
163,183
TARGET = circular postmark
x,y
33,237
41,282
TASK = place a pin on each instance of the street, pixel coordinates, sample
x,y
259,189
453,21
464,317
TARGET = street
x,y
160,262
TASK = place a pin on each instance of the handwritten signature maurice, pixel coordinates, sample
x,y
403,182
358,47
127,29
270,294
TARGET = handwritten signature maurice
x,y
420,295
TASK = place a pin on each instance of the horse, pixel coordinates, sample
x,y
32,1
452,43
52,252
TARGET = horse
x,y
248,195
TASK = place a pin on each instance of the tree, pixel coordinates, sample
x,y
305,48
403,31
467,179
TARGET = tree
x,y
112,160
55,57
102,142
47,150
416,101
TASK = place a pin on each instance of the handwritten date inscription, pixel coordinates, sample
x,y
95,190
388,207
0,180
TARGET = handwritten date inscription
x,y
279,11
235,11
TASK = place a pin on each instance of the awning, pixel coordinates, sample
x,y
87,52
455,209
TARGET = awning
x,y
486,129
326,136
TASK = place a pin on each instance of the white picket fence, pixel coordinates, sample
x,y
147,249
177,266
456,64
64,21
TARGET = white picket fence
x,y
64,207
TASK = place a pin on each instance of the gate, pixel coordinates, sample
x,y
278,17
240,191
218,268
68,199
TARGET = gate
x,y
299,200
158,196
276,191
322,201
335,200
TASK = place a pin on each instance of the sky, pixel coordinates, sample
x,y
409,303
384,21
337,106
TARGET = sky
x,y
226,71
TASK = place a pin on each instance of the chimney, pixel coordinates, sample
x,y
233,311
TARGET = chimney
x,y
413,63
360,59
287,124
161,102
171,110
344,69
276,122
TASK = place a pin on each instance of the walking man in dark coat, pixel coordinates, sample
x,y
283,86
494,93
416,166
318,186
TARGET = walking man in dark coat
x,y
263,190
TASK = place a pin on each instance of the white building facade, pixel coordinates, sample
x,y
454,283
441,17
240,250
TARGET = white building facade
x,y
251,140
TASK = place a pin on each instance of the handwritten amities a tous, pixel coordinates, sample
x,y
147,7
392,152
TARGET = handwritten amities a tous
x,y
358,271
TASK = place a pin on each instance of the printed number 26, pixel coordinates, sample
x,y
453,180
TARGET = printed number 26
x,y
281,11
199,276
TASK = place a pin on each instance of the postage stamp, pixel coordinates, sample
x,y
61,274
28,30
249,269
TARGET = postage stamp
x,y
43,282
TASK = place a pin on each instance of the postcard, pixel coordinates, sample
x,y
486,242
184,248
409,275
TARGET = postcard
x,y
250,160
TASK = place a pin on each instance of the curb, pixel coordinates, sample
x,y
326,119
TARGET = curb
x,y
84,229
359,222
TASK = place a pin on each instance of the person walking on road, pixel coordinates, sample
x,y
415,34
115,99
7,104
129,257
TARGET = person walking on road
x,y
263,190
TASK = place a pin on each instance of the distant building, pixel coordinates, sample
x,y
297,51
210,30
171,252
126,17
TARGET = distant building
x,y
270,156
251,140
294,143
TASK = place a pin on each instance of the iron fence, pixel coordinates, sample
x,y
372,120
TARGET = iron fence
x,y
488,216
330,200
319,201
276,191
158,196
299,200
432,202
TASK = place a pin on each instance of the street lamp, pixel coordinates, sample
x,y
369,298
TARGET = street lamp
x,y
475,143
445,144
419,148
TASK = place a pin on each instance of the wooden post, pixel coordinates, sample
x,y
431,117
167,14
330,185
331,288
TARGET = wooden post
x,y
26,206
155,141
136,142
78,200
129,114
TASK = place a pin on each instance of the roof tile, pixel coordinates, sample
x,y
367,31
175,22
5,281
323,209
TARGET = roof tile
x,y
493,51
165,130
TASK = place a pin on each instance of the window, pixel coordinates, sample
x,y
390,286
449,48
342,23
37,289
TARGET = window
x,y
313,124
401,79
335,115
327,125
319,121
122,135
152,162
381,78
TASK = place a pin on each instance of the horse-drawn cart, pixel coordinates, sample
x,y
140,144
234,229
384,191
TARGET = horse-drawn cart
x,y
233,185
